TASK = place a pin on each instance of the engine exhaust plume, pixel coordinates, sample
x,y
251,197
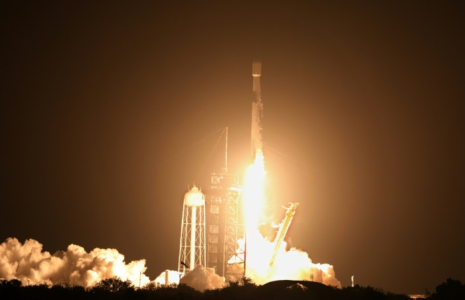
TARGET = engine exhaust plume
x,y
27,263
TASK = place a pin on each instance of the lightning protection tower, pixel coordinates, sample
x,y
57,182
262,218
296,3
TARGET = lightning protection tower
x,y
192,250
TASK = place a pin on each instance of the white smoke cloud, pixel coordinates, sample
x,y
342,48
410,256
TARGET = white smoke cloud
x,y
27,263
168,277
201,279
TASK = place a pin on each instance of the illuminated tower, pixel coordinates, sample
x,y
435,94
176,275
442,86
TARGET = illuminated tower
x,y
192,250
225,228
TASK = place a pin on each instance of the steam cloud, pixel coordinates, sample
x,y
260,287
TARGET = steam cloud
x,y
201,279
27,263
167,277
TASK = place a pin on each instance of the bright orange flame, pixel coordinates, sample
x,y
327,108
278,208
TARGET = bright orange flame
x,y
291,265
254,192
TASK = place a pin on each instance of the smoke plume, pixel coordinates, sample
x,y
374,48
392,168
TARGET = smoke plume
x,y
168,277
202,279
27,263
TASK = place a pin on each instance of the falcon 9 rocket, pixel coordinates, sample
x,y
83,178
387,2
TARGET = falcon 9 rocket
x,y
257,111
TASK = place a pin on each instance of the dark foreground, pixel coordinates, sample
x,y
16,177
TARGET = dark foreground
x,y
115,288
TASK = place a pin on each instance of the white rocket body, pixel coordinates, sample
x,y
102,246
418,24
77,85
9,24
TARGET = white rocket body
x,y
257,110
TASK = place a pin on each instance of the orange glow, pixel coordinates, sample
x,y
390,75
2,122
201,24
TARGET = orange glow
x,y
254,192
290,264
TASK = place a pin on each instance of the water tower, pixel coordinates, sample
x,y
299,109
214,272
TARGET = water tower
x,y
192,250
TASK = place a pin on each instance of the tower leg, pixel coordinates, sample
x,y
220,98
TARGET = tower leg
x,y
193,230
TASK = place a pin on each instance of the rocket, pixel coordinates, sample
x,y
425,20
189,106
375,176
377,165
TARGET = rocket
x,y
257,111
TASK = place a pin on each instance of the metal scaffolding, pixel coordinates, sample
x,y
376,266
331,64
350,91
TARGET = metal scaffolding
x,y
225,229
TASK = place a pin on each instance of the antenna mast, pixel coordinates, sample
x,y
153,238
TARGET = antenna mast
x,y
226,153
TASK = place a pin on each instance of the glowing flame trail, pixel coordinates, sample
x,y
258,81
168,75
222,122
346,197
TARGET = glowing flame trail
x,y
253,192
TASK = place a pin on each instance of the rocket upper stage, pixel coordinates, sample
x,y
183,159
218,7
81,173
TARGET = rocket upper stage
x,y
257,110
256,73
256,69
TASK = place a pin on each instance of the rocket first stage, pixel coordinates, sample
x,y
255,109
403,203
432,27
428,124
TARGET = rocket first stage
x,y
257,111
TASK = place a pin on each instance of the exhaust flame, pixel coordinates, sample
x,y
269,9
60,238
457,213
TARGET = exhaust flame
x,y
27,263
293,264
253,191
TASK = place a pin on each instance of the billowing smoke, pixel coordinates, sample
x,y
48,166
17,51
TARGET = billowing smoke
x,y
27,263
202,279
168,277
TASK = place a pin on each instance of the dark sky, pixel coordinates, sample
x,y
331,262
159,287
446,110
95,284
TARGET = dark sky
x,y
103,105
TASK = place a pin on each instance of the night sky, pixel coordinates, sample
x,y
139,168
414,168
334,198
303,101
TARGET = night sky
x,y
109,110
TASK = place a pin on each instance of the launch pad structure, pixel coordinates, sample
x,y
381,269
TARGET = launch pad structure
x,y
226,232
225,228
221,233
212,227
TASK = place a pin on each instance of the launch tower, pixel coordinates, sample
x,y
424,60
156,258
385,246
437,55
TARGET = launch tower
x,y
226,240
225,228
